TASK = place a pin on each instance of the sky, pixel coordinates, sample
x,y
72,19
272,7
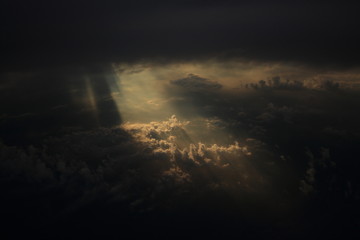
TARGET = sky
x,y
194,119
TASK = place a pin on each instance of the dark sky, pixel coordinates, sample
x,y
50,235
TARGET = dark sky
x,y
37,33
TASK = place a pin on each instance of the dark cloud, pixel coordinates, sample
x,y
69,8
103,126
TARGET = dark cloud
x,y
279,84
196,83
62,32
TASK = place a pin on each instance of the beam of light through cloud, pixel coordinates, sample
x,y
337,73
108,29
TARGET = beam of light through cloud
x,y
140,98
193,144
147,92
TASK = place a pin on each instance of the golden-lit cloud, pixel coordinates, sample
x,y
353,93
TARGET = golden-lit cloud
x,y
172,140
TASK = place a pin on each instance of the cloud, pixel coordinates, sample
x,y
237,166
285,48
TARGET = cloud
x,y
88,166
276,113
320,173
316,81
135,171
144,169
196,83
275,31
109,156
171,137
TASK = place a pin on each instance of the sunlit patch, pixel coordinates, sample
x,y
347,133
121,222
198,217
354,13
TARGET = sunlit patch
x,y
141,97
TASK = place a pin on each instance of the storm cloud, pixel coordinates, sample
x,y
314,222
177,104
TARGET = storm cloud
x,y
64,32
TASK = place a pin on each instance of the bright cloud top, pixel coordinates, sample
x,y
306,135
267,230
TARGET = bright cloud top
x,y
169,140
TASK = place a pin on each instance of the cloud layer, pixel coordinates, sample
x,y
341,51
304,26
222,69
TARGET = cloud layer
x,y
135,170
